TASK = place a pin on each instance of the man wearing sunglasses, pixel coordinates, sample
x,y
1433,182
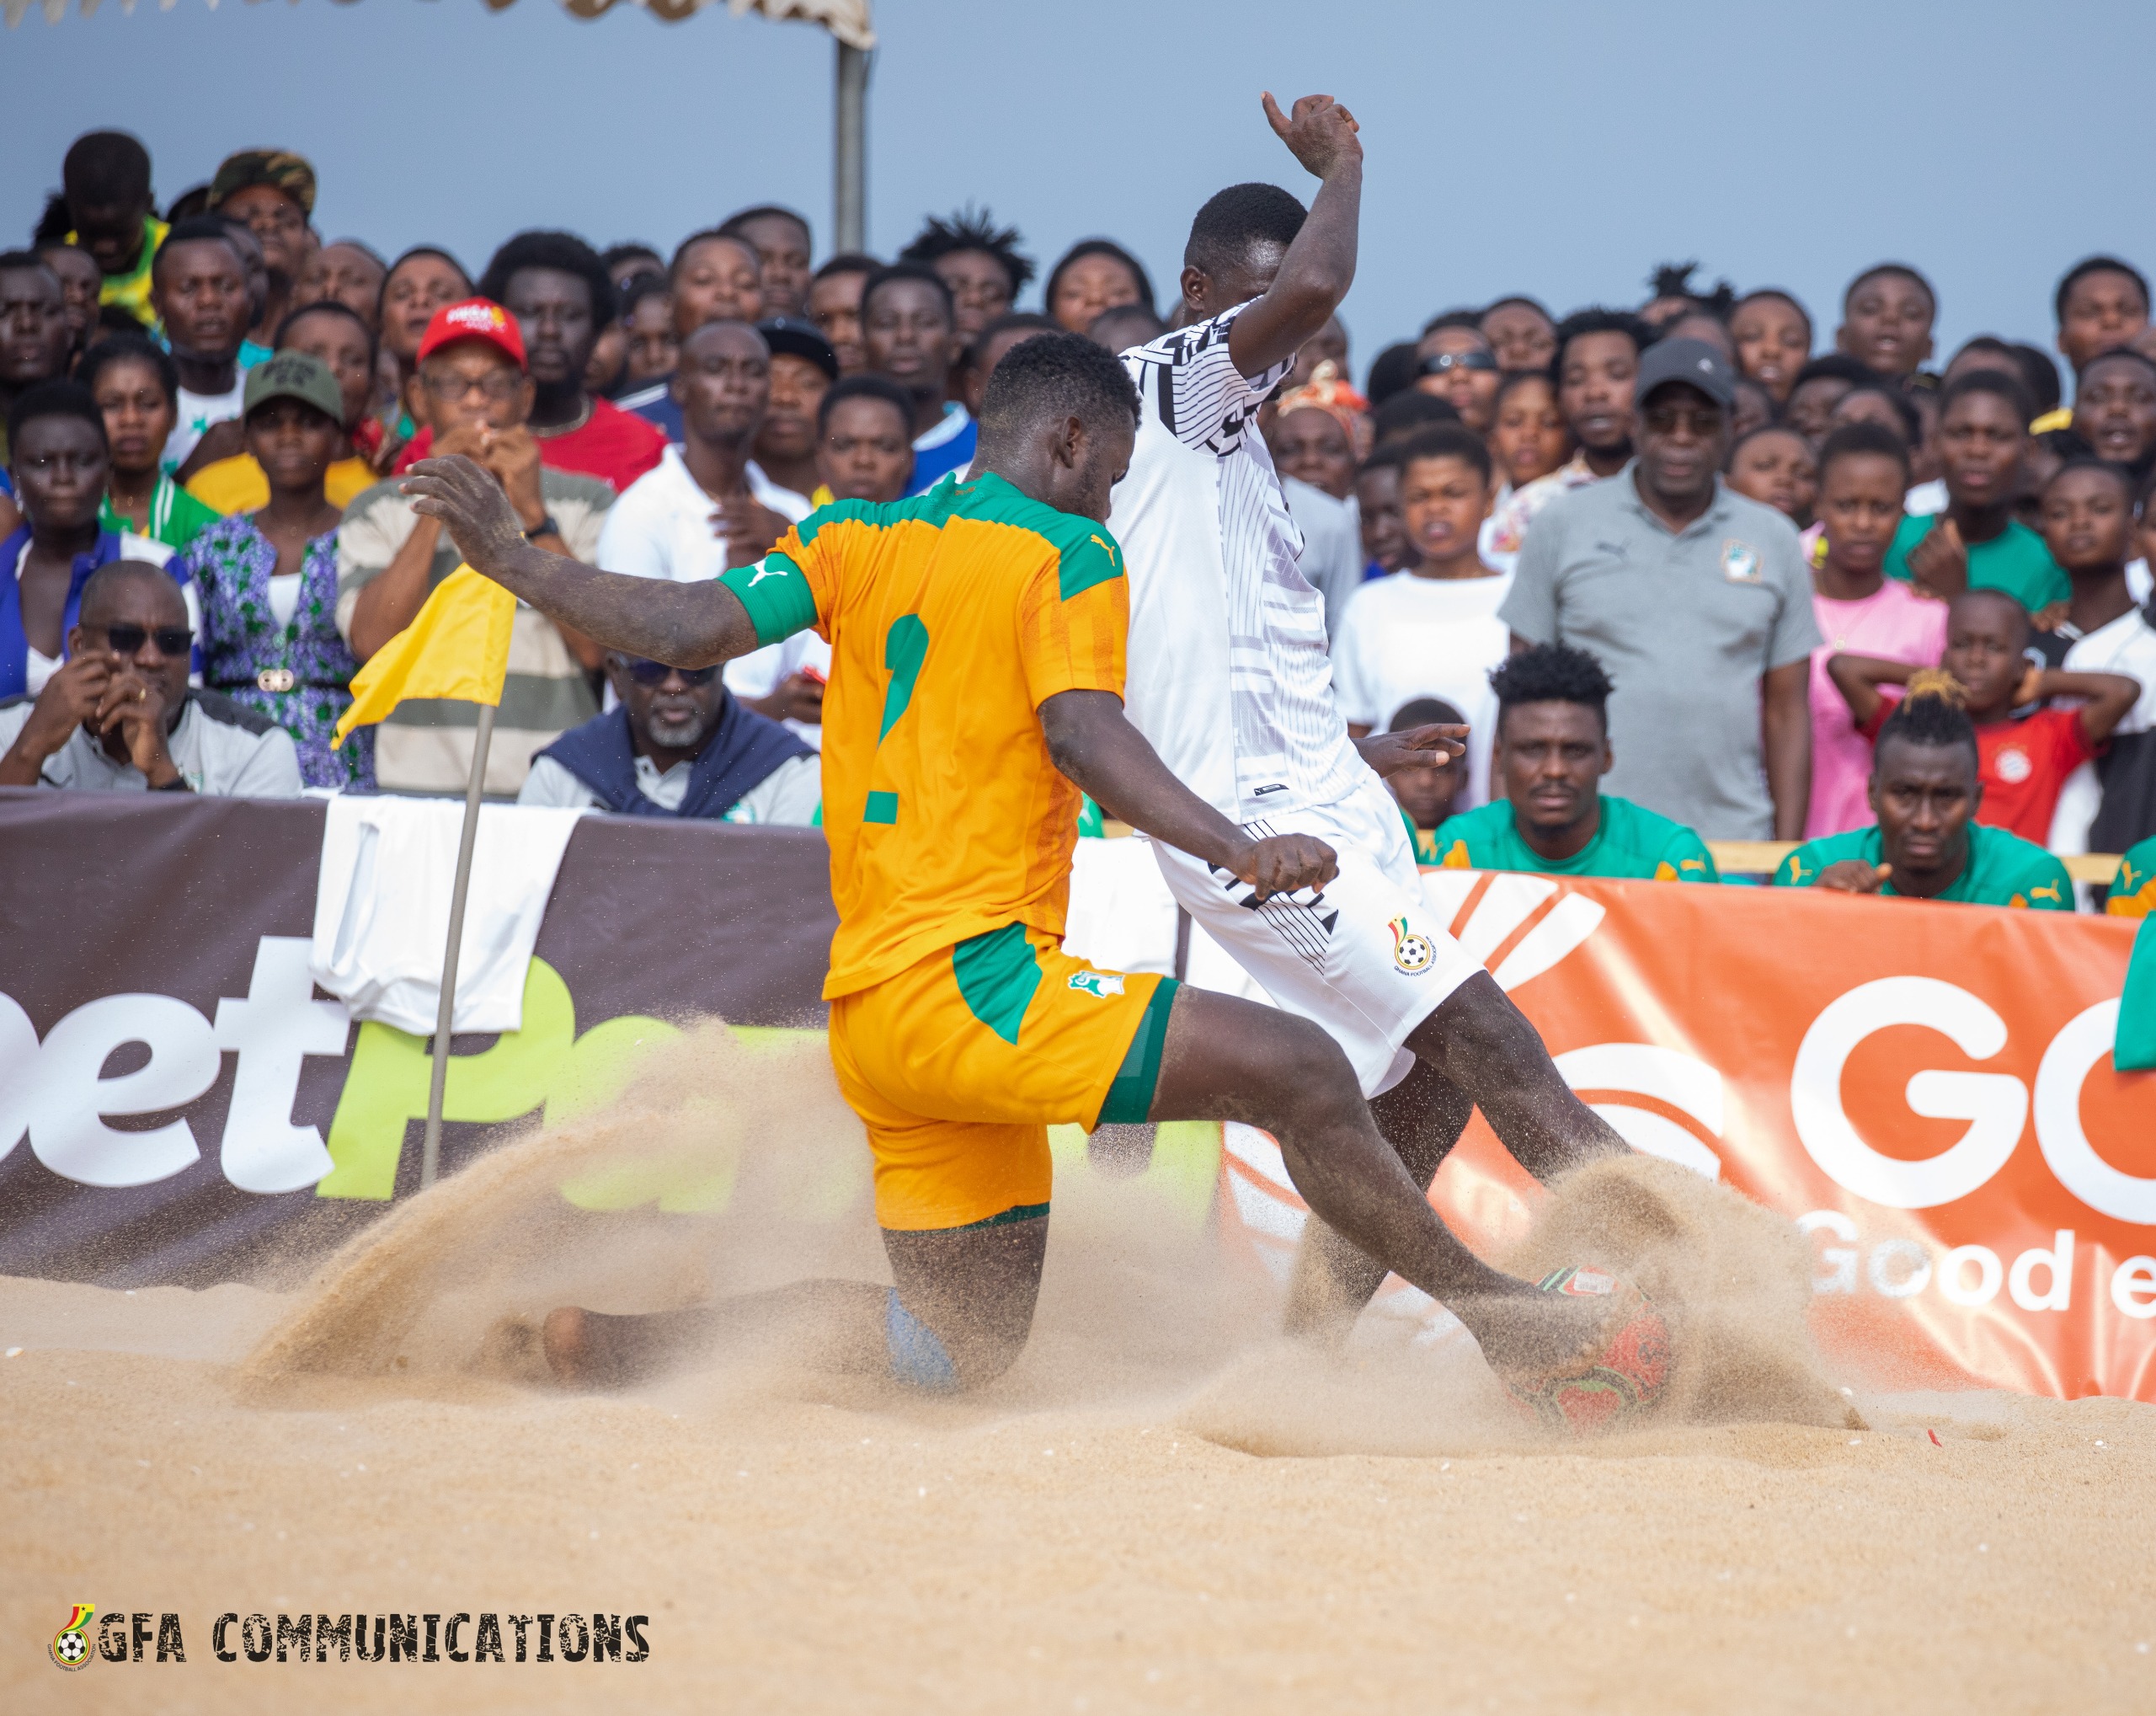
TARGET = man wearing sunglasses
x,y
120,717
1457,365
678,745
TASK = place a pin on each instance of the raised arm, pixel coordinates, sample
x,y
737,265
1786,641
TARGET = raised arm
x,y
1096,747
2110,695
1320,265
683,625
1858,679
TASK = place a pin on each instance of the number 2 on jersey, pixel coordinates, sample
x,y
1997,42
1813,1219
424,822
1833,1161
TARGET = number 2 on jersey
x,y
905,647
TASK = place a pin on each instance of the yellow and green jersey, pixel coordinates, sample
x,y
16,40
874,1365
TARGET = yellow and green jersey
x,y
2002,869
2133,890
1631,842
130,290
952,616
2133,895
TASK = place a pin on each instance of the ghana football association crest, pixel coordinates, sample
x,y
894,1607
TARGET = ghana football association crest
x,y
71,1645
1412,952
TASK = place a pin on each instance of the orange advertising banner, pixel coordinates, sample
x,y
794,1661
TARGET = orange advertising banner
x,y
1926,1090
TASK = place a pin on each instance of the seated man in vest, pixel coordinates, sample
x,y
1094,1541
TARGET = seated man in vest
x,y
1926,844
119,716
1551,752
678,745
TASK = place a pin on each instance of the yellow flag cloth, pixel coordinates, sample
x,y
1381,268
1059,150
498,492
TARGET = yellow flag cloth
x,y
457,646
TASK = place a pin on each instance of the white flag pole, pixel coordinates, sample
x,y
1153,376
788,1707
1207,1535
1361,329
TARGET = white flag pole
x,y
446,1014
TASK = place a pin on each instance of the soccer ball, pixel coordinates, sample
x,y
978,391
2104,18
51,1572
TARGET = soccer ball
x,y
71,1650
1613,1387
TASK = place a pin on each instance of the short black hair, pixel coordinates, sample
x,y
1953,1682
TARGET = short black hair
x,y
1863,441
733,224
639,286
1780,294
1900,270
1448,441
2042,374
25,262
327,307
1912,424
1595,319
54,225
1552,673
976,230
1928,716
1454,319
197,229
56,398
563,252
848,262
2088,461
1743,384
1403,414
2130,354
1997,382
2064,445
190,202
705,236
106,167
136,347
433,250
867,386
1121,318
1392,371
1837,366
614,255
1523,300
2095,265
1422,712
1009,322
1231,221
1673,279
1511,381
919,271
1753,434
1098,247
1064,374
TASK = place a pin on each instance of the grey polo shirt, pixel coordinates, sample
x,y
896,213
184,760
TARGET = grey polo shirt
x,y
1685,624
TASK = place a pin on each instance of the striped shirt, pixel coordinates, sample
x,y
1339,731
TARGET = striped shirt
x,y
425,745
1229,676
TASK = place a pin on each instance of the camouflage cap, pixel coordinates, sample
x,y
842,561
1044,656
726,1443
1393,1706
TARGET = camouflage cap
x,y
293,375
279,168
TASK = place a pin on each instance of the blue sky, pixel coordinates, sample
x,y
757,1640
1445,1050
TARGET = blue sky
x,y
1557,148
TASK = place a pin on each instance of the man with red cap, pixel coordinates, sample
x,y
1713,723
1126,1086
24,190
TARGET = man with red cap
x,y
475,391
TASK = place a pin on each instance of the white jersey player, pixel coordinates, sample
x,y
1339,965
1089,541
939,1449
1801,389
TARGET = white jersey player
x,y
1229,681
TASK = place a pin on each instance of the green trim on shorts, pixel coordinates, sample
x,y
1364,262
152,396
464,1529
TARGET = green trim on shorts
x,y
1130,1097
997,974
1016,1213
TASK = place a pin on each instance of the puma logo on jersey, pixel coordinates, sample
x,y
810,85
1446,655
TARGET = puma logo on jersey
x,y
766,569
1107,546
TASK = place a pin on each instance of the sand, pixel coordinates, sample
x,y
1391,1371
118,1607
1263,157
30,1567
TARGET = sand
x,y
1161,1507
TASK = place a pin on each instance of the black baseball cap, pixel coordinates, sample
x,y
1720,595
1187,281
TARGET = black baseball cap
x,y
798,338
1692,362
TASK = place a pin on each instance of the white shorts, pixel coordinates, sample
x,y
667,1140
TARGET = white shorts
x,y
1365,958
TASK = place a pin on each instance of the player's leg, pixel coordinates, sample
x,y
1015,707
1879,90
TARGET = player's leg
x,y
1231,1060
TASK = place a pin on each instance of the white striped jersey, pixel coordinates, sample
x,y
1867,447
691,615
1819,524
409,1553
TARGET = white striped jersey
x,y
1229,677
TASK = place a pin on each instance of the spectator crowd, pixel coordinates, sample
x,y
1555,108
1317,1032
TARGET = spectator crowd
x,y
1700,569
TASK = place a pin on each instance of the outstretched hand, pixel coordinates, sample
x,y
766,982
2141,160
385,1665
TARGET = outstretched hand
x,y
472,506
1437,745
1284,863
1320,133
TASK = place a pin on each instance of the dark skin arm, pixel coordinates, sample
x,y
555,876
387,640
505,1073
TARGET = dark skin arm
x,y
1434,746
1320,265
1785,736
2110,695
684,625
1858,679
1095,746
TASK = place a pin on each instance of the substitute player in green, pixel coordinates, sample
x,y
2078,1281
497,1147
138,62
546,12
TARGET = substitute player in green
x,y
1552,751
1927,844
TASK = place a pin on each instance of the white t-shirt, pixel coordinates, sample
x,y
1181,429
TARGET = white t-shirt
x,y
1229,677
197,412
660,527
1407,637
2127,645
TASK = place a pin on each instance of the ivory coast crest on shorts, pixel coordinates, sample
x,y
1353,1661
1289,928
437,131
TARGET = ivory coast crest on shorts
x,y
1411,952
71,1645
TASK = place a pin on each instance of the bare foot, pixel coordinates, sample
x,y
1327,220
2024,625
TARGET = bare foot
x,y
590,1349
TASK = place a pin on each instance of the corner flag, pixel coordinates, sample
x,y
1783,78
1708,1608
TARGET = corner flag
x,y
456,646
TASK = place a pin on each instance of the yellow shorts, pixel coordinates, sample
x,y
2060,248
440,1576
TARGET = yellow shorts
x,y
960,1064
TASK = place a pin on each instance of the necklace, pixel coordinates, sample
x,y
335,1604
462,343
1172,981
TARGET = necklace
x,y
583,418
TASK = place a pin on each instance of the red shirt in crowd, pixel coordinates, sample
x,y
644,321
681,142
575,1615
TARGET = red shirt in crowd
x,y
2022,763
614,445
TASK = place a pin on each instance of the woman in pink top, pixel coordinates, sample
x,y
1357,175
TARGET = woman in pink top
x,y
1864,470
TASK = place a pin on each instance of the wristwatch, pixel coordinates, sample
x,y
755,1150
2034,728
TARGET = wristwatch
x,y
546,527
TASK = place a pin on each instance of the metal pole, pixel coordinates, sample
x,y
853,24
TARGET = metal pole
x,y
445,1011
850,153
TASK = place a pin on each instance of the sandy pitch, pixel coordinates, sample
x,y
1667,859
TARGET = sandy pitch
x,y
1094,1533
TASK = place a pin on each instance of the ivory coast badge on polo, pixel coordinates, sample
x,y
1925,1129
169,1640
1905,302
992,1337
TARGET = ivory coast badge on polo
x,y
1740,562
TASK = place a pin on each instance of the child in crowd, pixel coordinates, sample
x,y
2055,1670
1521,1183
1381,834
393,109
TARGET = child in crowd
x,y
1772,334
1433,631
1863,471
2115,408
1820,386
1775,467
268,579
1529,440
1887,319
1426,795
136,386
2023,759
1385,547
